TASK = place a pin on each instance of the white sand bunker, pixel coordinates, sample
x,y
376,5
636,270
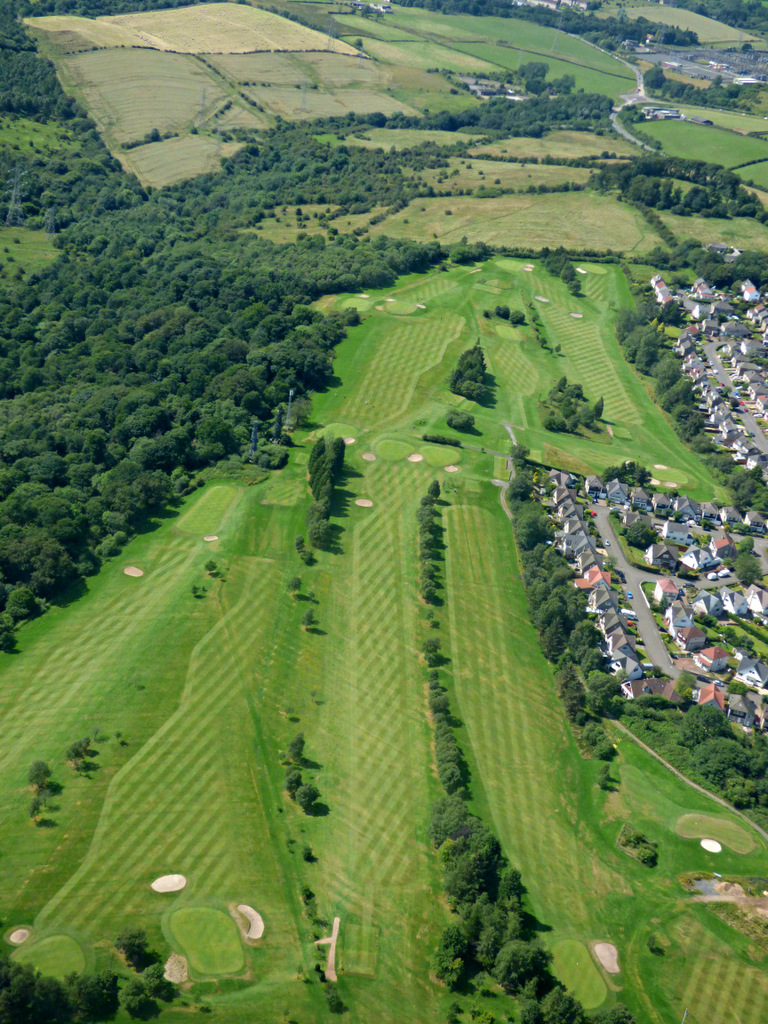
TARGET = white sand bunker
x,y
379,307
577,316
389,300
131,570
349,440
210,537
541,298
415,457
660,465
476,270
420,305
255,921
176,969
580,271
528,267
451,469
363,296
608,956
711,845
364,502
670,483
369,456
655,482
18,936
169,883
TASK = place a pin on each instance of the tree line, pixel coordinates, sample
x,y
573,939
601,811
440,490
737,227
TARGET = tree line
x,y
326,462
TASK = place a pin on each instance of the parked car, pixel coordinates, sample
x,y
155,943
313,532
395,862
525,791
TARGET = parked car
x,y
607,543
723,573
630,595
711,575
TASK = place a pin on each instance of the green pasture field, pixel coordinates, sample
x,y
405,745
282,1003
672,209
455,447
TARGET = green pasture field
x,y
735,120
575,220
423,53
25,248
681,138
163,163
707,29
298,105
399,138
758,173
563,144
741,232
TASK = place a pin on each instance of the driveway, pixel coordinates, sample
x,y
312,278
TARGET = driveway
x,y
646,624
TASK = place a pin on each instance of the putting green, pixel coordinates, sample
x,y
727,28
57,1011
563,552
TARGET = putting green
x,y
576,969
702,826
400,308
354,303
438,455
209,939
55,956
393,449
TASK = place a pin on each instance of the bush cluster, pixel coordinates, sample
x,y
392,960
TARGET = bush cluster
x,y
468,379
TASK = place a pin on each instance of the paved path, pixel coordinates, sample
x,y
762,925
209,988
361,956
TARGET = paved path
x,y
693,785
629,100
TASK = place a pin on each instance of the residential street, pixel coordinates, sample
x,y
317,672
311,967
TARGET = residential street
x,y
646,624
749,421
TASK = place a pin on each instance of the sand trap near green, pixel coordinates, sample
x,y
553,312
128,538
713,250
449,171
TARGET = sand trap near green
x,y
437,455
393,449
574,966
702,826
55,956
209,939
400,307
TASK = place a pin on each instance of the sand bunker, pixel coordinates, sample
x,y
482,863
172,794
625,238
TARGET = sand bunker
x,y
210,537
415,457
364,502
476,270
528,267
389,300
654,481
580,271
670,483
369,456
363,296
711,845
541,298
380,307
349,440
18,936
131,570
660,465
176,969
608,956
451,469
577,316
255,921
169,883
420,305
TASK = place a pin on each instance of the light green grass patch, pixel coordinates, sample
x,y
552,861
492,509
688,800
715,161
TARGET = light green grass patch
x,y
359,948
209,939
704,826
206,514
440,455
566,144
338,430
389,449
164,163
735,120
574,966
707,29
55,956
741,232
25,248
714,145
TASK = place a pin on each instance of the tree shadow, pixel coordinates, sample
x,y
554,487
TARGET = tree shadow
x,y
342,499
309,764
46,823
318,810
315,631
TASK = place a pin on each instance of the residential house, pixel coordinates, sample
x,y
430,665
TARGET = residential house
x,y
701,289
757,460
641,499
563,494
628,664
594,487
679,615
743,709
690,638
588,559
755,312
676,533
569,510
721,308
710,329
602,601
708,603
561,479
748,291
729,516
722,546
753,672
630,518
632,689
620,642
751,346
710,513
712,659
661,556
757,599
662,504
711,696
733,602
665,590
755,522
617,493
735,329
698,559
687,508
700,310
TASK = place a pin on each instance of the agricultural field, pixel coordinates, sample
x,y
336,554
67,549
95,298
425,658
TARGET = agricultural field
x,y
741,232
575,220
559,144
302,105
466,174
735,120
680,138
707,29
397,138
203,28
164,163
